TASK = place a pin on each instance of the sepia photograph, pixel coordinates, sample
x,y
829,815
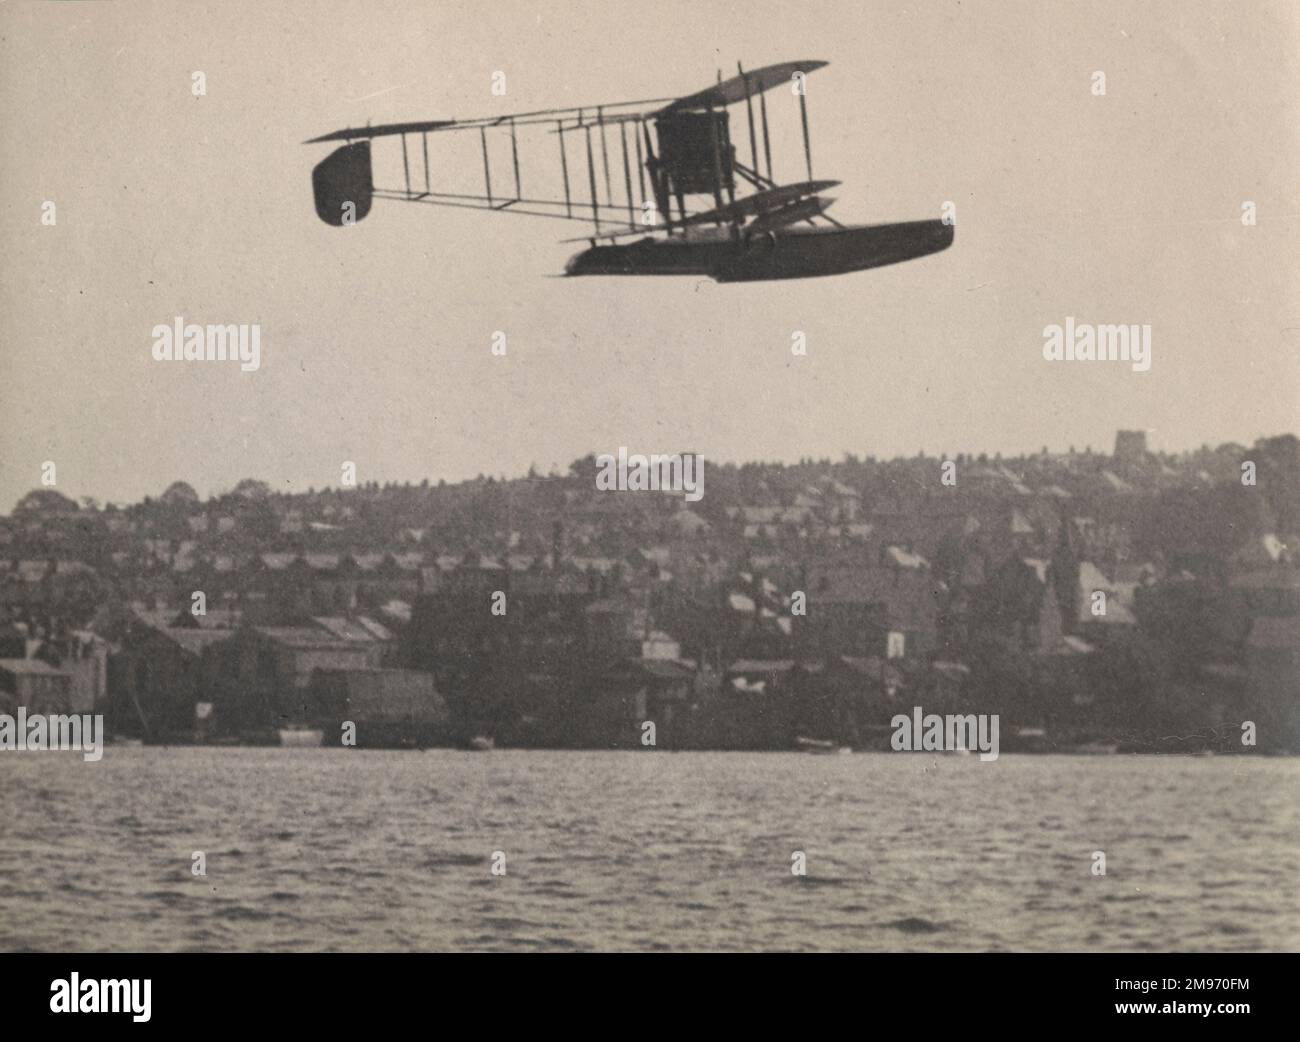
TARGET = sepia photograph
x,y
692,477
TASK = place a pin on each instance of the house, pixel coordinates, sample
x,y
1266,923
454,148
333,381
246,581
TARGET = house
x,y
13,641
378,641
890,609
637,691
689,523
332,581
1273,685
756,705
286,656
263,674
1018,604
844,615
1115,609
846,699
1067,671
841,503
389,708
379,578
1268,591
496,656
660,646
34,684
163,669
25,586
85,659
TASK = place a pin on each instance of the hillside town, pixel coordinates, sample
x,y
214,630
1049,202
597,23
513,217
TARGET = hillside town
x,y
1126,600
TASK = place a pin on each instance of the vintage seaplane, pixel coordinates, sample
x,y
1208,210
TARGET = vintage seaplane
x,y
771,233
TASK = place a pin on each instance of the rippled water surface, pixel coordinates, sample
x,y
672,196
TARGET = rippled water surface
x,y
347,850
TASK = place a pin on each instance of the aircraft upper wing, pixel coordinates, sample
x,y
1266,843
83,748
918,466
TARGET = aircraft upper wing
x,y
383,130
589,114
728,92
720,95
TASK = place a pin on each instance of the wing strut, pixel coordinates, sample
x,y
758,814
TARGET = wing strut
x,y
803,116
406,168
604,154
487,173
657,180
767,144
514,152
591,178
717,156
627,172
564,165
749,111
640,165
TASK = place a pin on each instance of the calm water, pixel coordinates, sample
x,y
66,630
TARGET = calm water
x,y
347,850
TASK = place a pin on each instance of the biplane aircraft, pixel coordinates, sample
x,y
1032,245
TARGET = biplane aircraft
x,y
770,233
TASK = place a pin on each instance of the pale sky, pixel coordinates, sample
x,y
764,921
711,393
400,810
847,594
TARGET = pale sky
x,y
375,339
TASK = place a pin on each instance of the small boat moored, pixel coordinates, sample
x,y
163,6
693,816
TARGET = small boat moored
x,y
301,737
819,746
